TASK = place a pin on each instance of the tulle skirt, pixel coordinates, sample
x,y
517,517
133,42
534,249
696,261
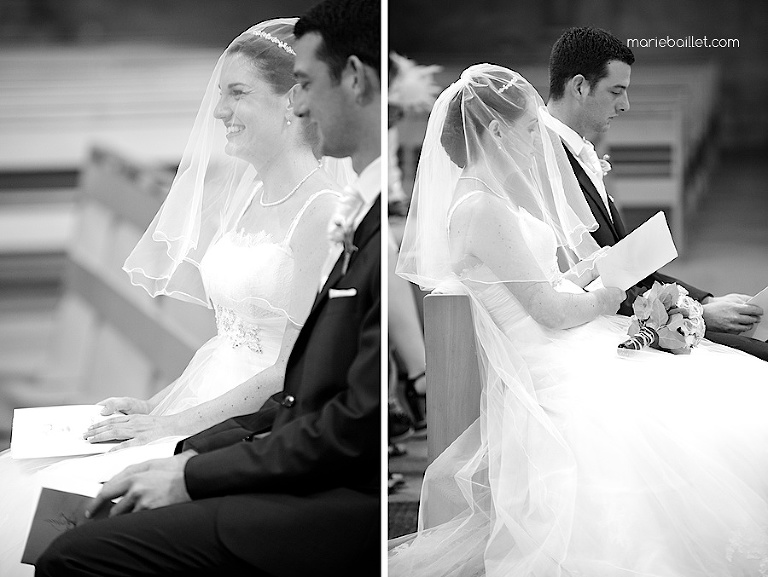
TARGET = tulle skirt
x,y
585,463
216,368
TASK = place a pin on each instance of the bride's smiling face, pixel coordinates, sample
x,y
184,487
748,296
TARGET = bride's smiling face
x,y
254,116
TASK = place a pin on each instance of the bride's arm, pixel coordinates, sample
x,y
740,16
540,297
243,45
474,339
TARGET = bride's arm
x,y
247,397
492,234
132,405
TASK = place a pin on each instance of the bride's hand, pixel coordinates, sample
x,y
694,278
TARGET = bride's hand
x,y
609,299
133,429
125,405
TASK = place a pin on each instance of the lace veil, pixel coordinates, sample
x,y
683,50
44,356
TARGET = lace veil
x,y
211,189
484,134
499,499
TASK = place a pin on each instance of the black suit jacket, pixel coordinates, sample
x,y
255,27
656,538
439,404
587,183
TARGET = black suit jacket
x,y
611,230
609,233
325,425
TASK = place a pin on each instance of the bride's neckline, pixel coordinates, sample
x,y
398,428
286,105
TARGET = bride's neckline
x,y
478,179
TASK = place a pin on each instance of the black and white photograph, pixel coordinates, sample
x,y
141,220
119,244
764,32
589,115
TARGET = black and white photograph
x,y
190,313
580,212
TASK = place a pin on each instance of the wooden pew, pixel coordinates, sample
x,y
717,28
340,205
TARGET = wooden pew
x,y
453,375
110,338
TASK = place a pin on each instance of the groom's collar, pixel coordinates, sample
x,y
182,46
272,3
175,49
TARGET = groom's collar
x,y
368,184
572,139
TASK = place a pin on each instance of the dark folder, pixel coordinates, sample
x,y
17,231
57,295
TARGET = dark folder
x,y
57,512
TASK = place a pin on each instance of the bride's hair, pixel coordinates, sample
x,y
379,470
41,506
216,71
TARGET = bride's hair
x,y
274,64
496,99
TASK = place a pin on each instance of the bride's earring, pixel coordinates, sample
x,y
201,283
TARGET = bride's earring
x,y
289,107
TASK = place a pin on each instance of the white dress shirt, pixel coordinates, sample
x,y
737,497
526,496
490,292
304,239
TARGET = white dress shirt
x,y
368,184
584,152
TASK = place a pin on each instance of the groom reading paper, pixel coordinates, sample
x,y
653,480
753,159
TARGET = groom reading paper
x,y
589,74
304,499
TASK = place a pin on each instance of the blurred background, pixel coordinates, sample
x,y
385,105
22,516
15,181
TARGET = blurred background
x,y
693,144
97,98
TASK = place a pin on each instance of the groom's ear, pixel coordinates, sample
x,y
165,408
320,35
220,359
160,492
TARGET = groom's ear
x,y
361,79
578,86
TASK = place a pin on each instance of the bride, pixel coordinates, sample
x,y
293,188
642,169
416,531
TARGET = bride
x,y
582,462
242,231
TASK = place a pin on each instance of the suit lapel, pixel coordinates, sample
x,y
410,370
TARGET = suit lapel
x,y
588,187
368,227
617,222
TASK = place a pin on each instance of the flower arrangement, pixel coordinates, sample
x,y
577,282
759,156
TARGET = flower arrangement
x,y
665,318
605,166
341,226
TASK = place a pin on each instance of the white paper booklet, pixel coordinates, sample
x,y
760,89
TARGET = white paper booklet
x,y
55,431
760,330
642,252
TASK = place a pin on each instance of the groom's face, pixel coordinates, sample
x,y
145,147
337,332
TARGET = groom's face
x,y
607,98
322,99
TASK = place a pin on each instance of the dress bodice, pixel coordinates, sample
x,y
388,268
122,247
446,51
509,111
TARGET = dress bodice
x,y
249,278
249,274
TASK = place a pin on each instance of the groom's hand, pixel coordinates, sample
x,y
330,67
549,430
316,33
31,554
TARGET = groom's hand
x,y
148,485
730,313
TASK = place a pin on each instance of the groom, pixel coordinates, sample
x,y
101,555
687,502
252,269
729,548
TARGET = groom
x,y
304,499
589,73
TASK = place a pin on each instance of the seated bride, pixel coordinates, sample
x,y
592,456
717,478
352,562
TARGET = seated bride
x,y
583,461
242,231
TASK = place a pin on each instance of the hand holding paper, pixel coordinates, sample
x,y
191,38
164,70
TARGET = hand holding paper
x,y
642,252
760,330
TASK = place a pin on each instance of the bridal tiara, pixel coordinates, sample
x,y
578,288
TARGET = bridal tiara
x,y
507,85
280,43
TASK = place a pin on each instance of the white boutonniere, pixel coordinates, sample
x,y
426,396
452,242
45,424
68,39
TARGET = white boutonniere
x,y
605,166
341,227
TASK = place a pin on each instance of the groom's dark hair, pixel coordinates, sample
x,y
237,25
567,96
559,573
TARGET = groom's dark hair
x,y
348,28
586,51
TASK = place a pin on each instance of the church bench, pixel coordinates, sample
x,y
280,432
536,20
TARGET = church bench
x,y
453,375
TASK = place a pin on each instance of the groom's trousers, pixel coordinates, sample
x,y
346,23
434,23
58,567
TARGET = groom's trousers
x,y
306,535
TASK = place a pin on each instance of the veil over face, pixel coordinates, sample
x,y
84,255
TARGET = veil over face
x,y
214,182
485,133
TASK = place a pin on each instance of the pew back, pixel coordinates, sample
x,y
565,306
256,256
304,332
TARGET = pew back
x,y
453,375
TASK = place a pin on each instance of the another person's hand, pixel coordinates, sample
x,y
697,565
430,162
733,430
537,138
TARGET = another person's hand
x,y
609,299
730,313
133,429
125,405
147,485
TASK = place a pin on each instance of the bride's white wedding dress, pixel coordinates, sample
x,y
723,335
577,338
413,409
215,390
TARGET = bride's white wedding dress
x,y
585,463
250,279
